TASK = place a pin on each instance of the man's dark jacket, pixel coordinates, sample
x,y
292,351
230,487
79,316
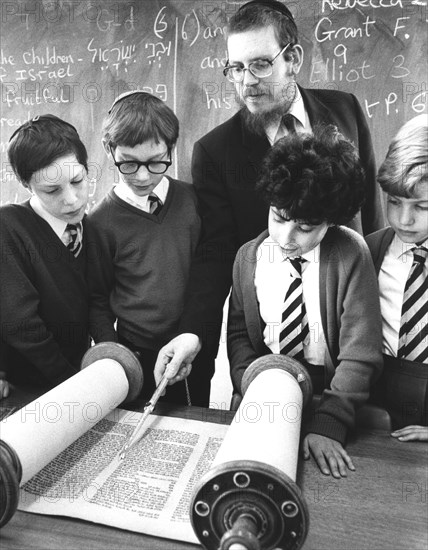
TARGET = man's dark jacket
x,y
225,167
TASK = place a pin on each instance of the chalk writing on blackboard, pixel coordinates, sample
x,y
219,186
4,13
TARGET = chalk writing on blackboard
x,y
73,57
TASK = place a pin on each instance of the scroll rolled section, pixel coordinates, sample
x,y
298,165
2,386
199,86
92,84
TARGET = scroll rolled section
x,y
249,500
37,433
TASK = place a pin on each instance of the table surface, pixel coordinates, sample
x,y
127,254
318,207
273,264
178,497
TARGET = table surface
x,y
382,505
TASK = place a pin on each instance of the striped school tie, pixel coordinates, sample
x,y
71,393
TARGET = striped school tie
x,y
413,336
155,204
75,234
294,322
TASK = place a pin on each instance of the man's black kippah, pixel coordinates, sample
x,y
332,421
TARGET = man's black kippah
x,y
274,5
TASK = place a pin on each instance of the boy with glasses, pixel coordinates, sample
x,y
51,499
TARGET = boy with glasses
x,y
147,227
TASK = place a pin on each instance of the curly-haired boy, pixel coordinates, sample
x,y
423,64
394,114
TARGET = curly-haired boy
x,y
307,288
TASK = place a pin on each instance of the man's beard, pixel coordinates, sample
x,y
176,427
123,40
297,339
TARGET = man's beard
x,y
257,123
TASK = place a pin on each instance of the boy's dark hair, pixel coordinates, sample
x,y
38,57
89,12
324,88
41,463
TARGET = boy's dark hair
x,y
138,117
314,178
40,142
258,15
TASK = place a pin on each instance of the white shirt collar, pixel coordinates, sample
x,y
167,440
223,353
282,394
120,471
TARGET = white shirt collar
x,y
399,248
313,255
277,255
298,110
126,194
57,225
161,189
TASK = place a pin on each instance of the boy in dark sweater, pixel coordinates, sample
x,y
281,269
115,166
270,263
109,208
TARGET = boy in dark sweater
x,y
307,288
43,290
147,230
400,255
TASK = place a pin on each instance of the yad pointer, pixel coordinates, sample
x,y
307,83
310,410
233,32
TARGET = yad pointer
x,y
148,409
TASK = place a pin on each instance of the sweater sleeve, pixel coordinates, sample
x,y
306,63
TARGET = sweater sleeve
x,y
359,341
22,327
101,283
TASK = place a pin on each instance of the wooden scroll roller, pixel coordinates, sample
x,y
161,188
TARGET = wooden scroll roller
x,y
37,433
249,499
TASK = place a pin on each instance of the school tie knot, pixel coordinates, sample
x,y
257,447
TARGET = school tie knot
x,y
420,254
297,264
289,122
73,234
155,204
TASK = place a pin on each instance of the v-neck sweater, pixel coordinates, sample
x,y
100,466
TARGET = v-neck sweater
x,y
143,267
43,300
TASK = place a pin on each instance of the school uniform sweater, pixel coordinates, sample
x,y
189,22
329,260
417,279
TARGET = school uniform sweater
x,y
350,313
143,263
43,300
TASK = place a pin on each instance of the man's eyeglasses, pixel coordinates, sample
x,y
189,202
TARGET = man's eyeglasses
x,y
129,167
260,68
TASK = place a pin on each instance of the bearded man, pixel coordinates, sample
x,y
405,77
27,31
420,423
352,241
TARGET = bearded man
x,y
264,61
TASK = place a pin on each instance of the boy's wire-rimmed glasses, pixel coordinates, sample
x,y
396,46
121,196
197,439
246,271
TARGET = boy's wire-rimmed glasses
x,y
129,167
260,68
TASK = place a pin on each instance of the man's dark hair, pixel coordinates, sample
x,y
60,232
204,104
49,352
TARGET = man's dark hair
x,y
314,177
257,15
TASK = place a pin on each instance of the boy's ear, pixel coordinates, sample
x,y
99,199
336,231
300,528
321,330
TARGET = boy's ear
x,y
106,145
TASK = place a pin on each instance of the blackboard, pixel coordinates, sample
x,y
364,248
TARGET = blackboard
x,y
72,58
